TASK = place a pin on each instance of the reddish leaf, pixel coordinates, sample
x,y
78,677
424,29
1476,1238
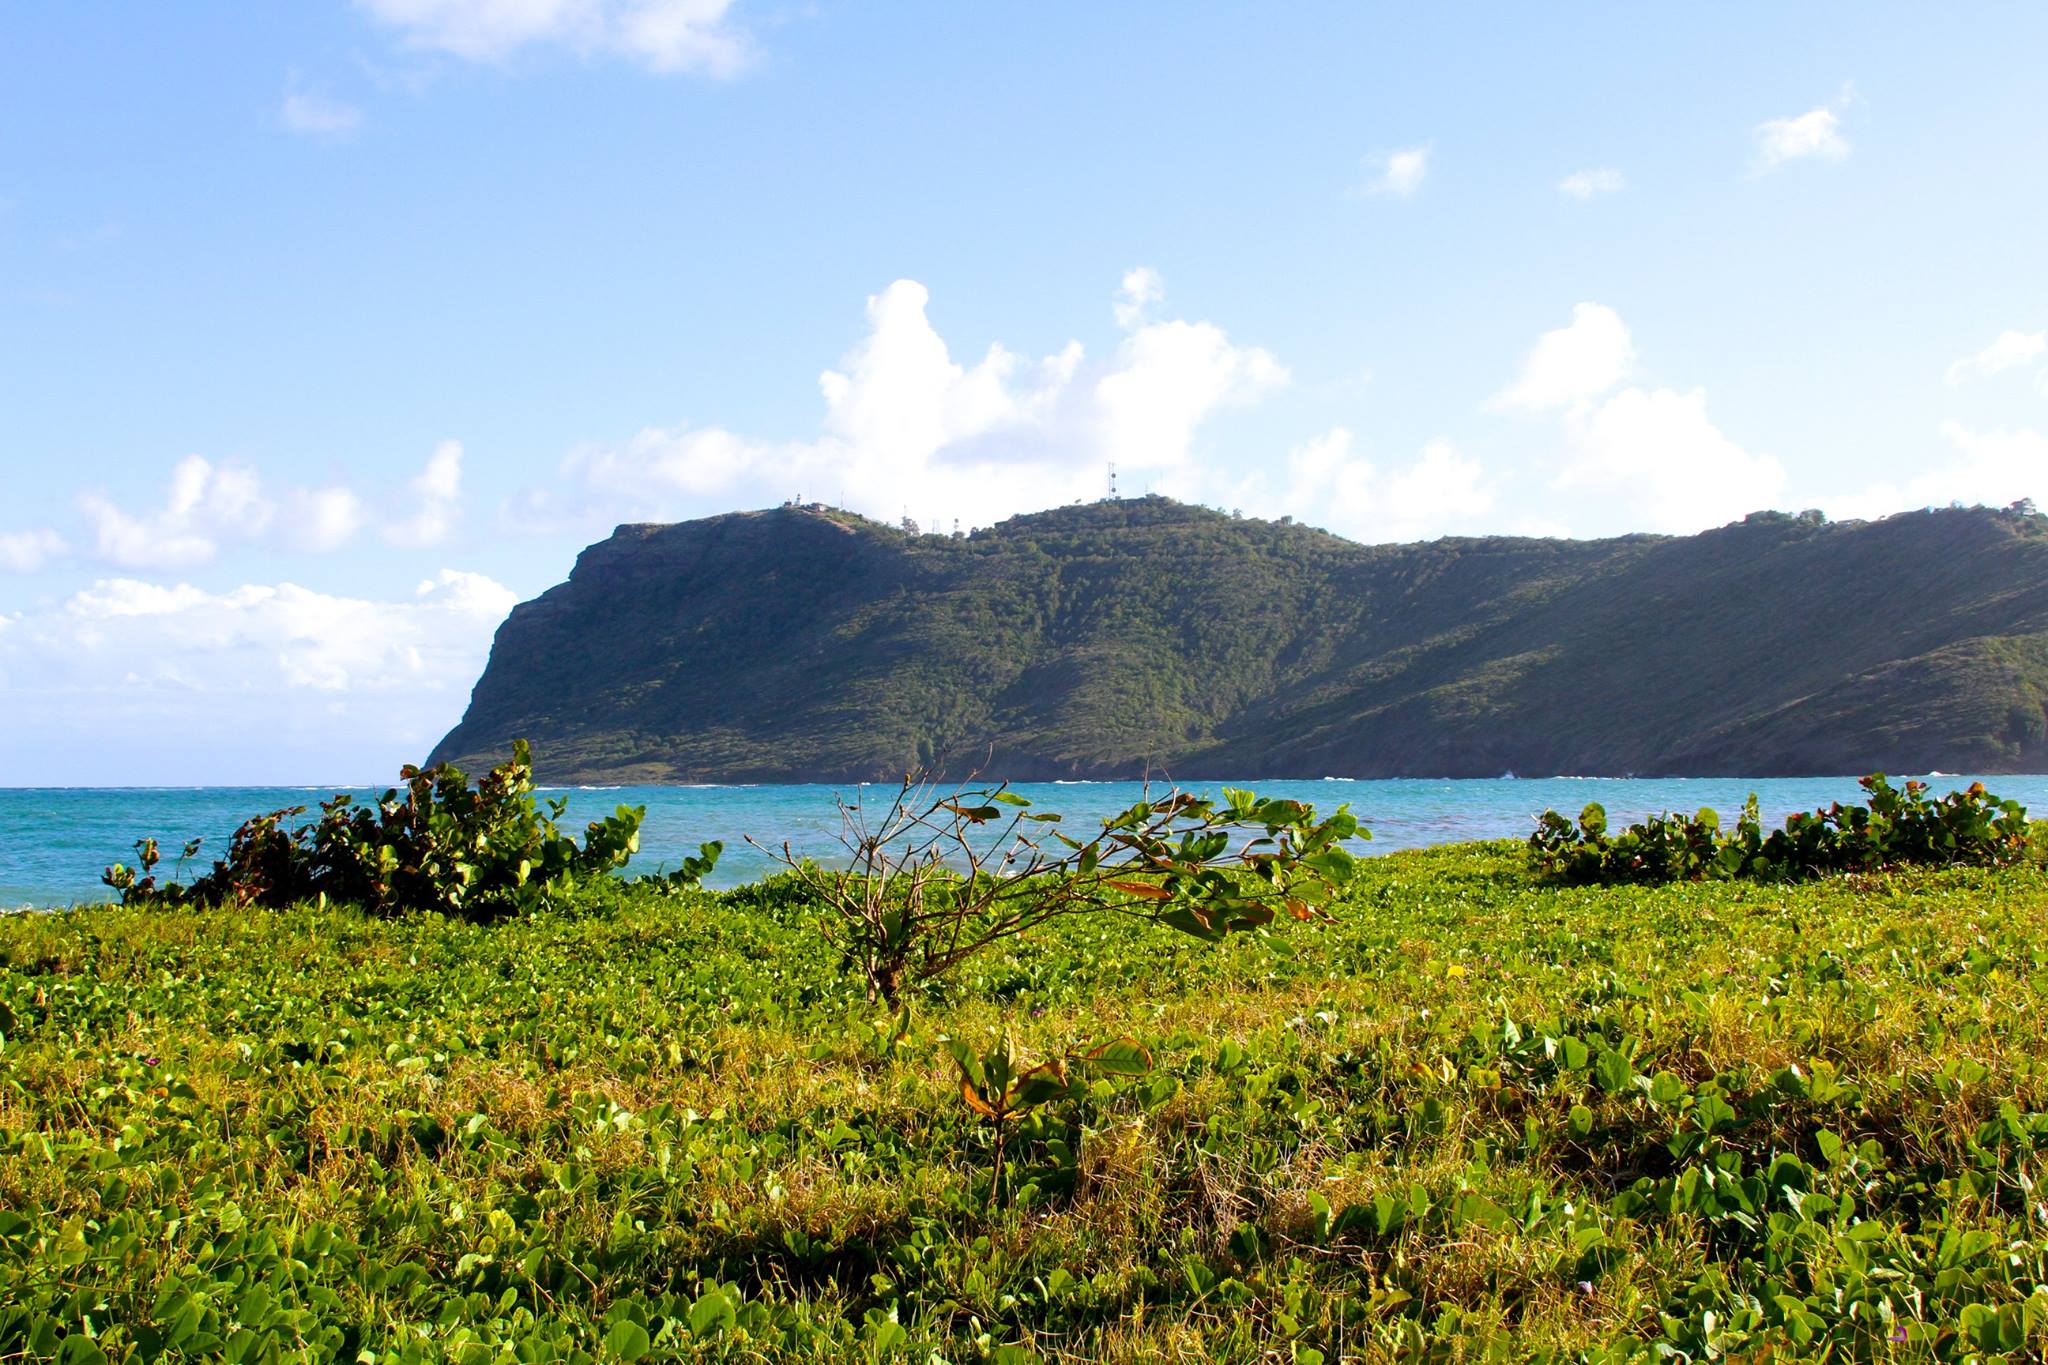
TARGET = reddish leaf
x,y
974,1099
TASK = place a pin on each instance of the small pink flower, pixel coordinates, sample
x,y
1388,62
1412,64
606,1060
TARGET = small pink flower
x,y
1899,1332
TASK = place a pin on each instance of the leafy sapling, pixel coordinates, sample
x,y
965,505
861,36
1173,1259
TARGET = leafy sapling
x,y
997,1086
939,874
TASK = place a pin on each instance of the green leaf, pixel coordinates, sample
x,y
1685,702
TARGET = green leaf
x,y
1614,1072
80,1349
628,1340
1124,1056
714,1312
1037,1088
969,1064
1334,863
1188,922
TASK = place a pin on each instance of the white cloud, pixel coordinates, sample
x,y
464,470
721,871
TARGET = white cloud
x,y
1573,363
1399,173
316,115
431,496
1663,464
281,636
906,426
324,519
1170,377
27,551
174,682
663,36
1653,456
1589,184
2011,350
1141,288
902,395
206,506
1330,484
1815,134
1996,468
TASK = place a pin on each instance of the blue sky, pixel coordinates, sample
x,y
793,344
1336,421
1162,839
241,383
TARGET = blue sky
x,y
329,330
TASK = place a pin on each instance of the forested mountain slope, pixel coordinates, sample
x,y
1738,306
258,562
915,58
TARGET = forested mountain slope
x,y
1116,638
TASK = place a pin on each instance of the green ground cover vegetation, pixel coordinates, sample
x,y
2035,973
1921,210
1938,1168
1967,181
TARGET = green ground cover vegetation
x,y
1472,1113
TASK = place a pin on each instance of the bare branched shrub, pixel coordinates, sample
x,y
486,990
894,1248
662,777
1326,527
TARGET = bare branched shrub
x,y
939,873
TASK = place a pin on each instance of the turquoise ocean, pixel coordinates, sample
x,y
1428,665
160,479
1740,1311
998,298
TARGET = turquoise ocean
x,y
55,840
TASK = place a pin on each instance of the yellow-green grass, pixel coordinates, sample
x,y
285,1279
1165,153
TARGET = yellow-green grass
x,y
1472,1117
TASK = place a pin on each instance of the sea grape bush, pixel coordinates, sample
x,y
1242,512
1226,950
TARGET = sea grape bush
x,y
1663,848
687,875
437,844
1896,826
938,875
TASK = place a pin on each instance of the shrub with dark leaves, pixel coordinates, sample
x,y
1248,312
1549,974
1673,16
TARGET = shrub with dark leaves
x,y
1895,827
436,844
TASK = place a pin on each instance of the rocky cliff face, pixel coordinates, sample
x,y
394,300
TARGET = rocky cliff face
x,y
1118,638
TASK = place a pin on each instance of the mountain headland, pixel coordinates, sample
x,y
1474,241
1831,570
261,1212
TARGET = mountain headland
x,y
1143,636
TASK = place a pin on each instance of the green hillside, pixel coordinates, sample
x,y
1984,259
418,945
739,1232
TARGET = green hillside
x,y
1112,639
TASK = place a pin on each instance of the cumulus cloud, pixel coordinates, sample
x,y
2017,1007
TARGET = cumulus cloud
x,y
2010,350
312,114
1996,468
203,505
1572,363
1166,381
1656,453
663,36
907,426
1593,183
1142,287
1400,173
902,397
172,681
206,507
1329,482
282,635
1813,135
1653,456
429,513
27,551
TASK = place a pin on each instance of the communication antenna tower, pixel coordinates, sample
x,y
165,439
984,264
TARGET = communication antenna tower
x,y
1112,480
